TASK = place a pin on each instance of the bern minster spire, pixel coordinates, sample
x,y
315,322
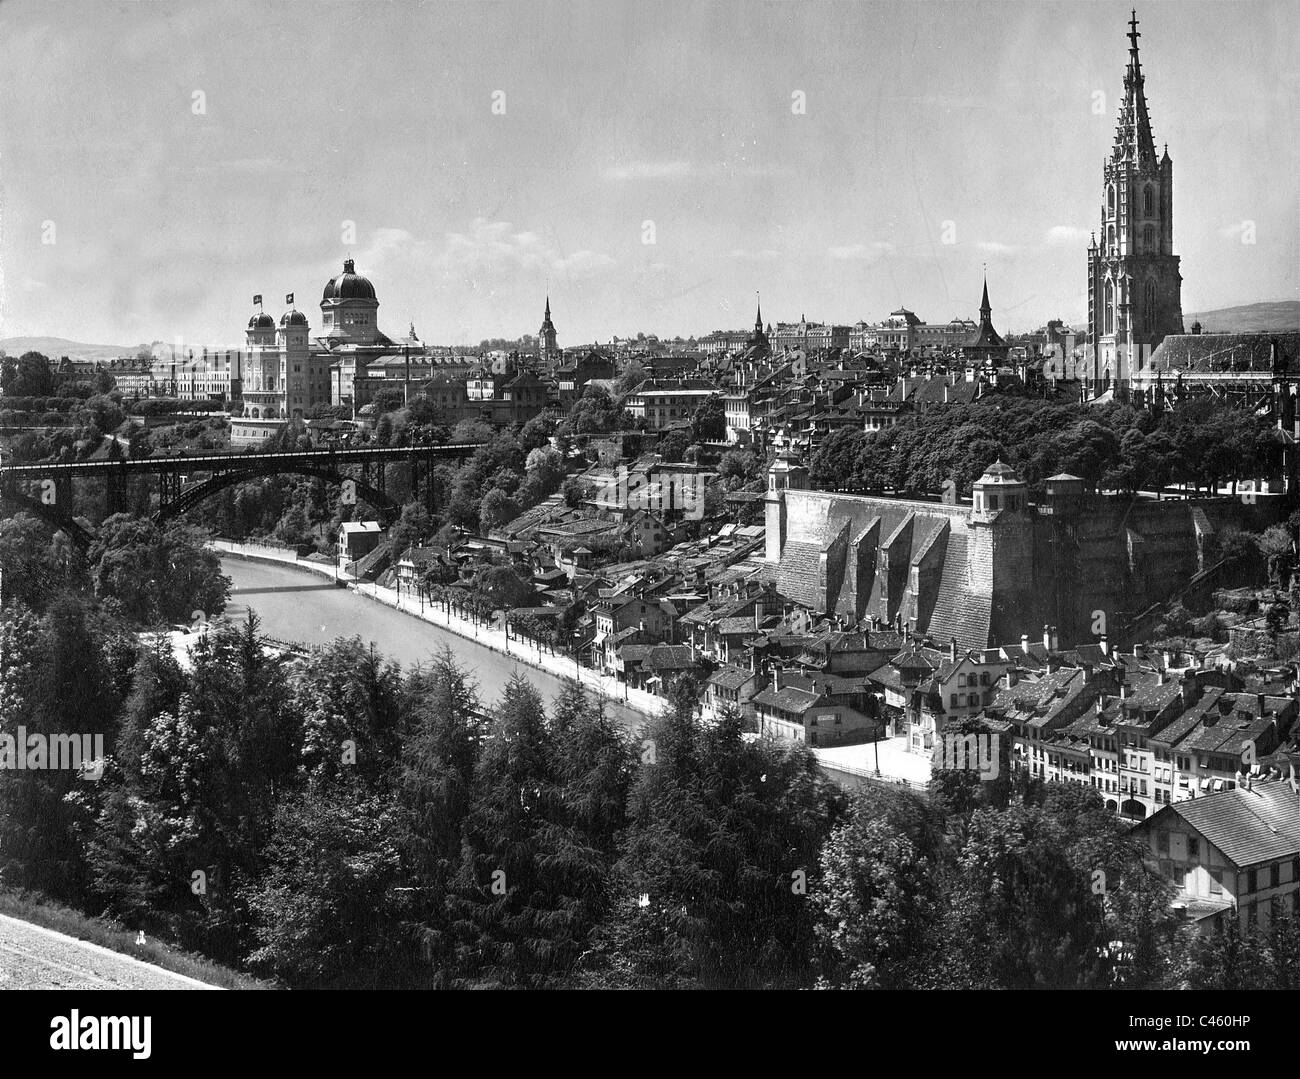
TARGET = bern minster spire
x,y
1133,139
1134,283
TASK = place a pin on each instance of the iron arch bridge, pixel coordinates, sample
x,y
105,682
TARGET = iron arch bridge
x,y
184,481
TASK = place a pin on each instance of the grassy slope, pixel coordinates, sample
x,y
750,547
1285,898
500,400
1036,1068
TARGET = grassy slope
x,y
40,911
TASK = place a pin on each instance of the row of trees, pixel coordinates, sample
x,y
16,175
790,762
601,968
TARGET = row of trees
x,y
335,820
1114,446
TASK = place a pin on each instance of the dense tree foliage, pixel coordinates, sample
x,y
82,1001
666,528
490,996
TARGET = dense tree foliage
x,y
1114,446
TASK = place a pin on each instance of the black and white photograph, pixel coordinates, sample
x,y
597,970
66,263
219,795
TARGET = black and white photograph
x,y
732,495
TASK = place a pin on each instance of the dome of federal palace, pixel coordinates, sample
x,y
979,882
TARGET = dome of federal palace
x,y
349,285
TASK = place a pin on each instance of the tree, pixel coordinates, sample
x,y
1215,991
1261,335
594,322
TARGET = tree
x,y
714,864
156,574
323,913
574,492
709,424
497,509
528,889
876,900
505,587
349,698
412,529
434,793
61,689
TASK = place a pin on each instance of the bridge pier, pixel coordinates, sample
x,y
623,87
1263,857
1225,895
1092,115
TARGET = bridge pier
x,y
114,493
63,494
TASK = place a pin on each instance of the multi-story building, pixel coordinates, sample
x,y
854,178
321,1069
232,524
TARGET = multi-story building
x,y
664,405
1232,854
284,378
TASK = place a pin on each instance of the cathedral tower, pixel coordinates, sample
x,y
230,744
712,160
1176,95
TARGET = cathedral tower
x,y
1134,284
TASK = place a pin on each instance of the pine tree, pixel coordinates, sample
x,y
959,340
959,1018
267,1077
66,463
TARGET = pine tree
x,y
528,886
434,793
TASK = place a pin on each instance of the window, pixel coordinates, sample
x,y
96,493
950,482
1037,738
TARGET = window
x,y
1193,847
1252,881
1275,875
1216,882
1149,237
1147,201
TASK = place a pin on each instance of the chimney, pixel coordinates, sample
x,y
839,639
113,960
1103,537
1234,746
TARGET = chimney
x,y
641,626
1104,645
1047,637
1123,691
776,677
1261,704
1056,640
952,650
1024,643
758,615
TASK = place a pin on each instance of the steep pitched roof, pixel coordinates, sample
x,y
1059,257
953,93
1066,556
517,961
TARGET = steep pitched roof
x,y
1248,826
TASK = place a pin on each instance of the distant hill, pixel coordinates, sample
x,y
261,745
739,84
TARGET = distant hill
x,y
1276,317
58,347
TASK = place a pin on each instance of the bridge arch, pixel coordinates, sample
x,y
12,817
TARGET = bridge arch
x,y
193,496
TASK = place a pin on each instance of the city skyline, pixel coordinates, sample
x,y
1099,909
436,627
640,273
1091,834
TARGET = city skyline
x,y
168,210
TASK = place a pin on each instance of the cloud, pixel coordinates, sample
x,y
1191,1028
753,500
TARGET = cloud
x,y
687,170
651,170
861,252
497,246
1231,232
995,248
1066,234
766,254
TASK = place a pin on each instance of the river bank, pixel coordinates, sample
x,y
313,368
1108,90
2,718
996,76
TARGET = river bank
x,y
316,611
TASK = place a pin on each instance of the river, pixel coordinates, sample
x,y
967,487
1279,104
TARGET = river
x,y
294,605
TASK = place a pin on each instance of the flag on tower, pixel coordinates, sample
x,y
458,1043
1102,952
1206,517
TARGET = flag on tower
x,y
289,299
258,299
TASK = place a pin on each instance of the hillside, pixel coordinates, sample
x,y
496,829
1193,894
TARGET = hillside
x,y
1274,317
57,347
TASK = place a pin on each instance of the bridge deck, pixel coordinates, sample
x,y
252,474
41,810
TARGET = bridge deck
x,y
227,462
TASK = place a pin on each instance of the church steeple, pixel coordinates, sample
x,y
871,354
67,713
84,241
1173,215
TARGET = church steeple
x,y
1133,139
548,347
986,311
1134,283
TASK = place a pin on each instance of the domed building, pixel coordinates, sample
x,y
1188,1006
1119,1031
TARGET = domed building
x,y
348,309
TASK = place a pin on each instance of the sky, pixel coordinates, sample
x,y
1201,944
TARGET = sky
x,y
654,165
